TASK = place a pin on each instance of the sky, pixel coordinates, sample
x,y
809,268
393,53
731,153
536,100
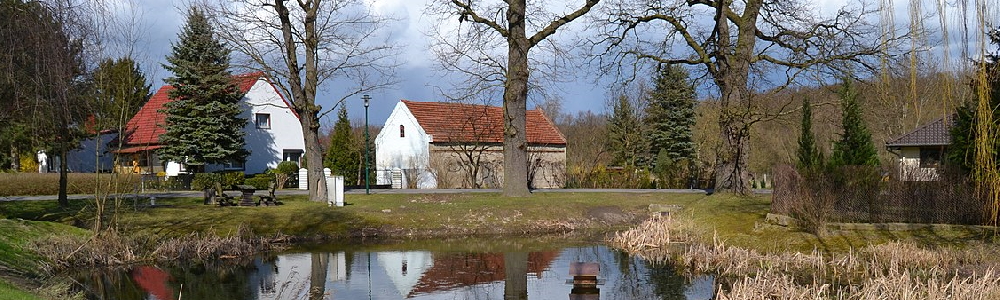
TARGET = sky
x,y
161,20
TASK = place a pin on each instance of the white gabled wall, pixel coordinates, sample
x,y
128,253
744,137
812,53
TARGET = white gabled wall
x,y
395,153
267,145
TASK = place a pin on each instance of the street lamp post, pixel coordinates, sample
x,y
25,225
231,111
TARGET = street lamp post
x,y
367,186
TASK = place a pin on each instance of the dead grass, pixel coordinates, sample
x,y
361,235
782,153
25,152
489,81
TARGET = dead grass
x,y
112,249
29,184
652,236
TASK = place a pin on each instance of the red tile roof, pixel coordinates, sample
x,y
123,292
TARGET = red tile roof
x,y
456,122
147,125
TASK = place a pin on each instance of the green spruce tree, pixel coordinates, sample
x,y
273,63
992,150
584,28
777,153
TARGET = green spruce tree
x,y
625,135
670,115
203,123
343,156
855,147
810,159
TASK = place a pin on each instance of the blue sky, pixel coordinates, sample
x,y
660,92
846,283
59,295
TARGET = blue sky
x,y
160,21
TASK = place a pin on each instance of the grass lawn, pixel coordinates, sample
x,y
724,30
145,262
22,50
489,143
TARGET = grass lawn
x,y
737,221
17,263
8,291
398,215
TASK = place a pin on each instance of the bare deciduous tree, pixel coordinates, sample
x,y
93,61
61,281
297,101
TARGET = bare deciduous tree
x,y
489,70
302,44
741,46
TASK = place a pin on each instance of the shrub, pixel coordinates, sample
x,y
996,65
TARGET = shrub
x,y
283,171
260,181
227,179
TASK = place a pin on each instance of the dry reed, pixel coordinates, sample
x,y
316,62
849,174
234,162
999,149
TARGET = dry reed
x,y
895,270
650,237
112,249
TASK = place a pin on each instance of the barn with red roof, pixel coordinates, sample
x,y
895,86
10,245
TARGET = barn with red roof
x,y
457,145
272,133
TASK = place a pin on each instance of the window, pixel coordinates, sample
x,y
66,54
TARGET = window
x,y
263,121
292,155
930,157
402,132
234,165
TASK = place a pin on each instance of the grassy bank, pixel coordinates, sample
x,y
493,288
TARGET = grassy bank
x,y
737,221
21,268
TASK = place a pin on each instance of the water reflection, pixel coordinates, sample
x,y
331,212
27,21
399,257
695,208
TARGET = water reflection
x,y
518,275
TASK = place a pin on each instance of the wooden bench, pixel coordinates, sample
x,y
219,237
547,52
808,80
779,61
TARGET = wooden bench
x,y
222,198
270,198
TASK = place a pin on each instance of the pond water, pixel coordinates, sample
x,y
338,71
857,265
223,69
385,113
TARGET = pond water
x,y
402,271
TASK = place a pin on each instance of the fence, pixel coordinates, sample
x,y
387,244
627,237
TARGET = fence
x,y
863,195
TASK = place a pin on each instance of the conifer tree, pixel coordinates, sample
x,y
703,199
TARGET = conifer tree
x,y
342,156
855,147
808,153
120,90
203,123
670,114
625,135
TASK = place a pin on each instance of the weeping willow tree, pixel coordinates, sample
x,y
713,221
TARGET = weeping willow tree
x,y
965,23
985,173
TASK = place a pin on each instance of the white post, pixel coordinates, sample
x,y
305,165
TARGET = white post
x,y
339,190
331,197
303,179
326,172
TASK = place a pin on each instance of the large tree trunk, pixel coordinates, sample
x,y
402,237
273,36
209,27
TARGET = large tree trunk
x,y
314,158
515,105
63,178
731,174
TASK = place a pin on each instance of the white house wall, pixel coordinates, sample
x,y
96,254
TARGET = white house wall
x,y
267,145
909,166
395,154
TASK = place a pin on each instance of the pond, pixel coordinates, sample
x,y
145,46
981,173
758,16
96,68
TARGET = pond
x,y
476,270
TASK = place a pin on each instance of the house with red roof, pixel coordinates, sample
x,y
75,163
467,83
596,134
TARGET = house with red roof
x,y
457,145
272,133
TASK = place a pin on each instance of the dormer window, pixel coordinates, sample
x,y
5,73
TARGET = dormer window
x,y
263,121
402,131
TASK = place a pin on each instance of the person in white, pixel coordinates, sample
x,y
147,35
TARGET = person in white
x,y
43,162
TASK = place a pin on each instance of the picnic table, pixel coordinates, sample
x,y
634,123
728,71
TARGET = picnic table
x,y
247,198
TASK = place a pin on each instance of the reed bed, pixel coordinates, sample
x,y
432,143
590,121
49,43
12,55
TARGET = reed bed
x,y
650,236
112,249
894,270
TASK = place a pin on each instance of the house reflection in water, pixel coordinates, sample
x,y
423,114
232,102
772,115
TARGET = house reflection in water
x,y
299,276
455,270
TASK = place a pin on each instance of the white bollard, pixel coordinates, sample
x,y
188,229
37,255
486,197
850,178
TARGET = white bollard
x,y
339,190
335,190
303,179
